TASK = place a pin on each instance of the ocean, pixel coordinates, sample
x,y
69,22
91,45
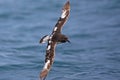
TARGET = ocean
x,y
93,29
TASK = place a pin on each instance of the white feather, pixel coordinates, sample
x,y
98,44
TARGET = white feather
x,y
45,39
63,14
55,28
48,47
46,64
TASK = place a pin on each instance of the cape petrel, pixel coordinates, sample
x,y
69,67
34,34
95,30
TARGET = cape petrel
x,y
53,39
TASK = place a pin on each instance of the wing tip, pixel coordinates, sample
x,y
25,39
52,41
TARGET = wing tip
x,y
43,74
65,10
67,5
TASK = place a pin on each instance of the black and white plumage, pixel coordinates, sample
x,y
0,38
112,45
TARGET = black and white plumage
x,y
55,37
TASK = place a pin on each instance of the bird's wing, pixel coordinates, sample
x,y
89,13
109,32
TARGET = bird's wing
x,y
50,53
63,18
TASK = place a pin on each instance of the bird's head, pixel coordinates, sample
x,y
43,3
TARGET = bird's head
x,y
63,39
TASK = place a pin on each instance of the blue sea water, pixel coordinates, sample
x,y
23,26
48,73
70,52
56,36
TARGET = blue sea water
x,y
93,29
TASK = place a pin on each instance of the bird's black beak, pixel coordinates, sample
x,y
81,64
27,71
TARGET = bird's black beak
x,y
68,41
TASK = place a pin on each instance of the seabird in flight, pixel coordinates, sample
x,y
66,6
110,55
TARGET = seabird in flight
x,y
55,38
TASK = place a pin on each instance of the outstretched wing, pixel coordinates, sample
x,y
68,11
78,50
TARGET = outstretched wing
x,y
63,18
50,52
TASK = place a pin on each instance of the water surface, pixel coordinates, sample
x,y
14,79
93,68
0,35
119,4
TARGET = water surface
x,y
93,28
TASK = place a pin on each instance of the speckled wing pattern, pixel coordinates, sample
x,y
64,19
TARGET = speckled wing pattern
x,y
50,50
63,18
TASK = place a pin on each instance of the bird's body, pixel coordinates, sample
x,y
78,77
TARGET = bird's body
x,y
55,38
